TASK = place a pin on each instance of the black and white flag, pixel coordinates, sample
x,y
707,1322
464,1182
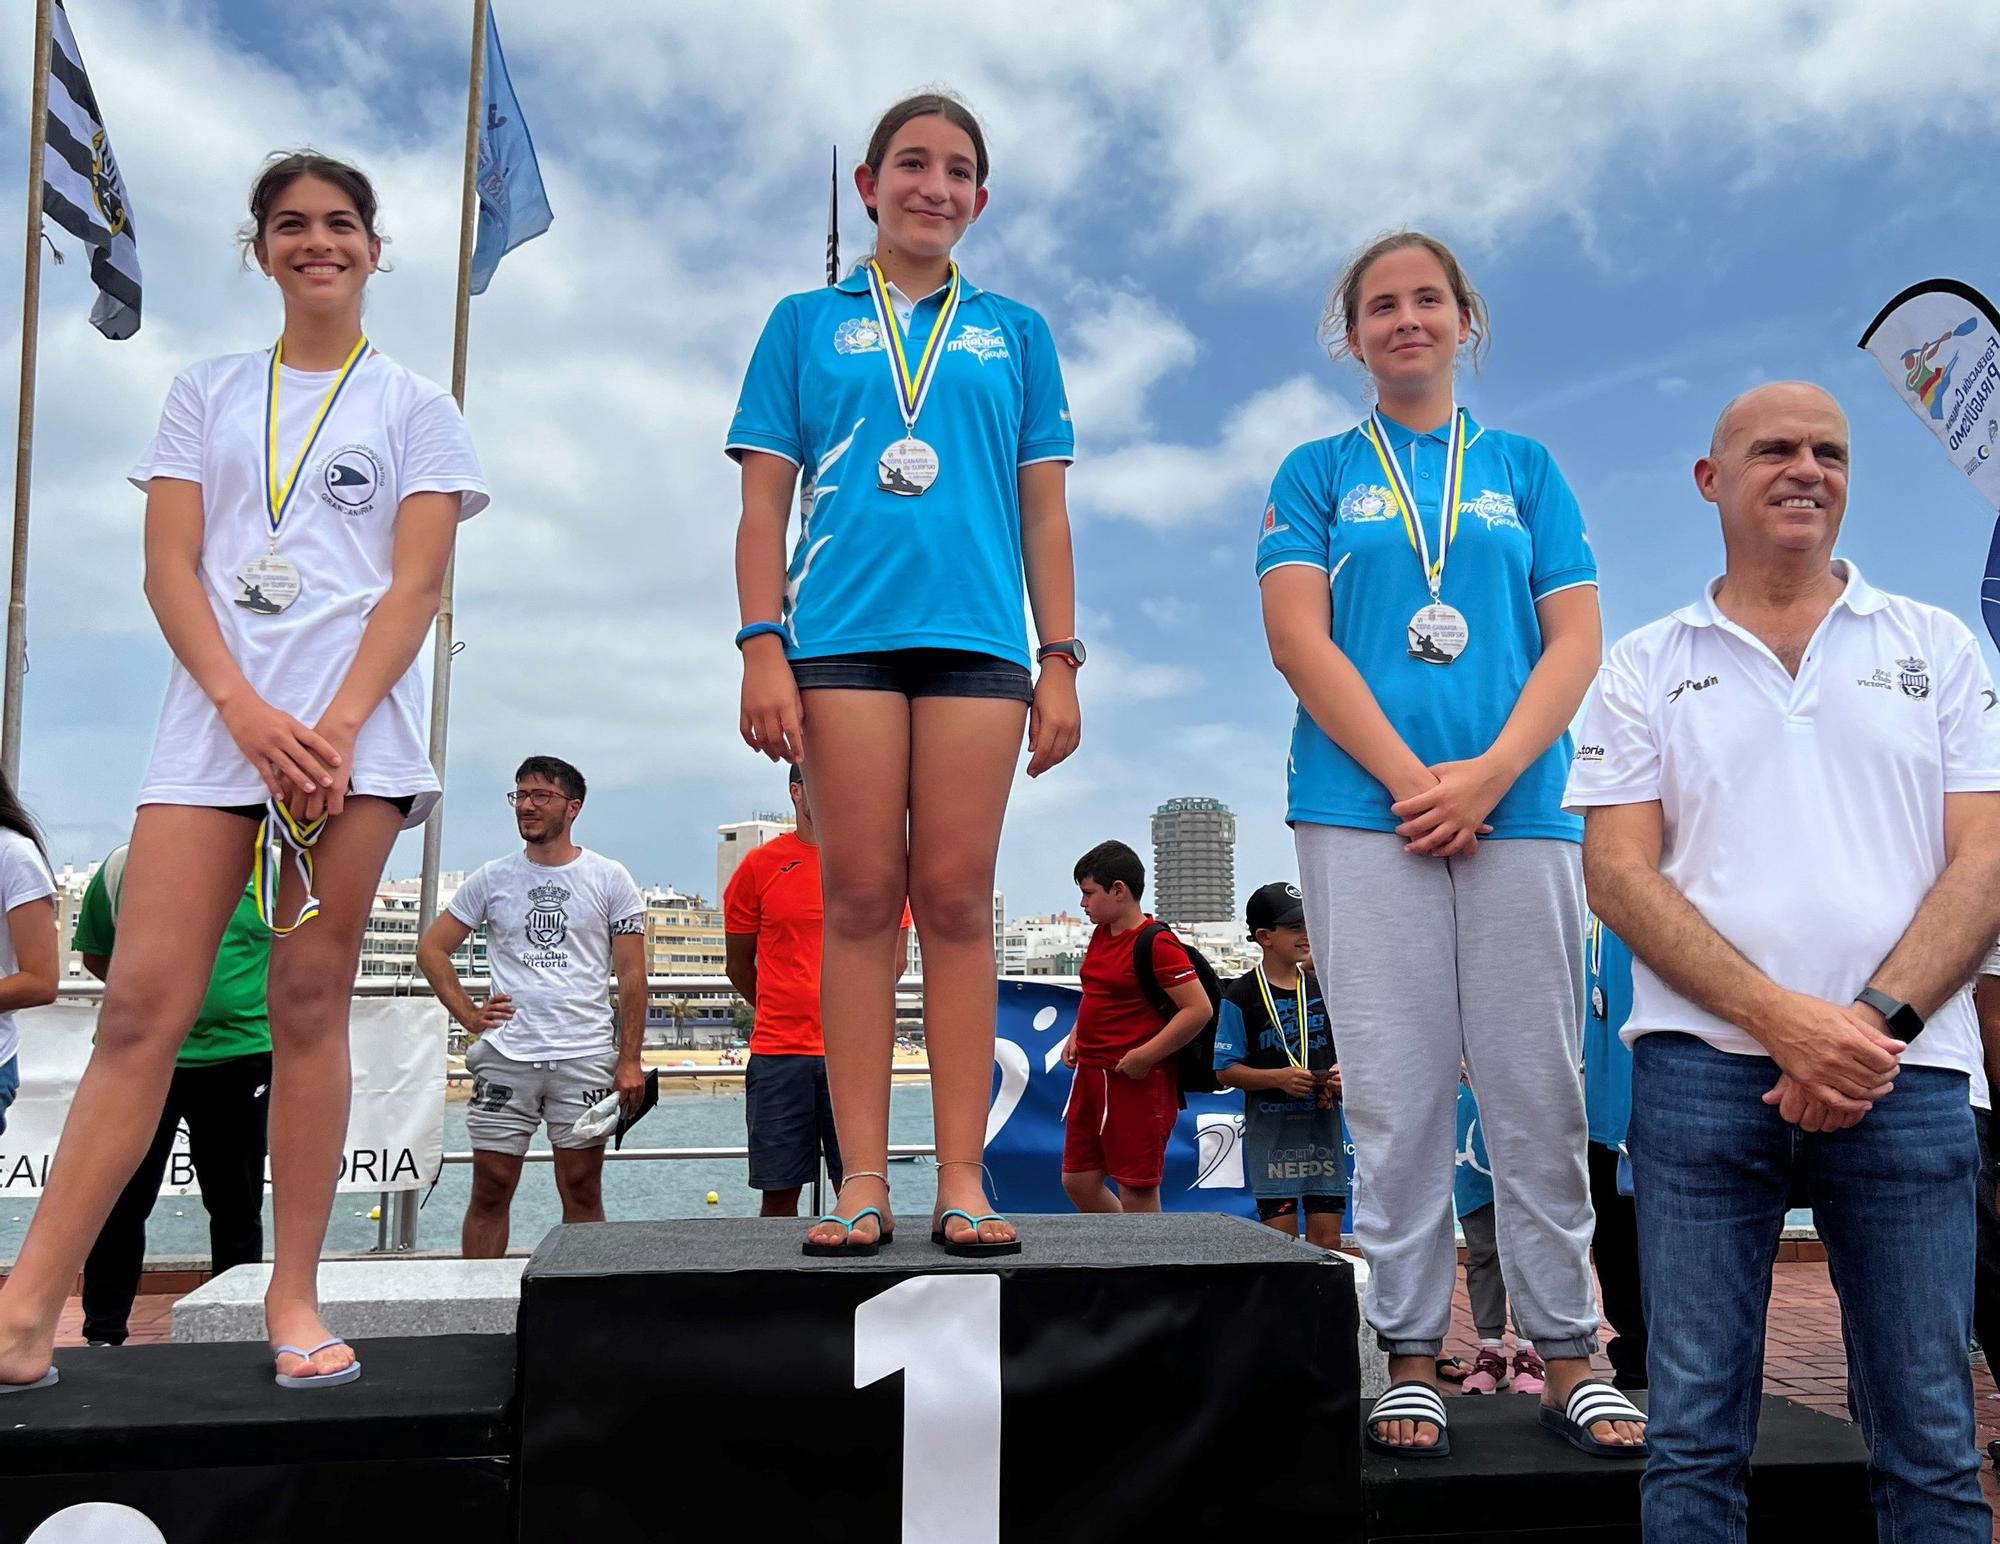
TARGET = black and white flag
x,y
81,189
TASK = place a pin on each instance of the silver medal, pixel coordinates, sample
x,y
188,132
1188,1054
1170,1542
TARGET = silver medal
x,y
1599,1008
908,467
268,585
1438,634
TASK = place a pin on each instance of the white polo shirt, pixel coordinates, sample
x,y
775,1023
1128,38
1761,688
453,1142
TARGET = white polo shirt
x,y
1804,818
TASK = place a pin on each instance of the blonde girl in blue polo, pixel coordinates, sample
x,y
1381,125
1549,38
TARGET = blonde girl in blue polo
x,y
927,419
1430,597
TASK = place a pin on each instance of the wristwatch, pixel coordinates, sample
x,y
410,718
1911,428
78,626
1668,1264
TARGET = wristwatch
x,y
1068,650
1904,1020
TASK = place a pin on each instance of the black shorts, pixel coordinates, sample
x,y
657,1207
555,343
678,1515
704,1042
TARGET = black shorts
x,y
403,802
919,673
791,1121
1286,1206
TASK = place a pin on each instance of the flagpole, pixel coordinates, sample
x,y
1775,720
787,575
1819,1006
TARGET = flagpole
x,y
468,230
24,441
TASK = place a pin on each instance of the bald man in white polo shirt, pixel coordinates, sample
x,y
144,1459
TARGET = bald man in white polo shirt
x,y
1791,815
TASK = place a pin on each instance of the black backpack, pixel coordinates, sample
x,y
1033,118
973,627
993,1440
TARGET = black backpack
x,y
1194,1062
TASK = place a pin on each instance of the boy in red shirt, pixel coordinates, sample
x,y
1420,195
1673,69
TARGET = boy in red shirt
x,y
1125,1097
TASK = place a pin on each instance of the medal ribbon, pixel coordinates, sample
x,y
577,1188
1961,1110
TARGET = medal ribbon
x,y
278,495
912,386
1595,935
1406,502
279,830
1271,1007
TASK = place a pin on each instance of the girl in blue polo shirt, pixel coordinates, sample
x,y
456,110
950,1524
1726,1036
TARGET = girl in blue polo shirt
x,y
1430,596
927,421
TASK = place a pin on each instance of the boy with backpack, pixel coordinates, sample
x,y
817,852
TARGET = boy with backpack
x,y
1127,1091
1272,1040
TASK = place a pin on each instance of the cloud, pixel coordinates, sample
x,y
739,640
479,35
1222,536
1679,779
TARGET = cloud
x,y
1166,179
1118,353
1169,485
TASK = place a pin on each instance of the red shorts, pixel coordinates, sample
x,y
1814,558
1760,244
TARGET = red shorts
x,y
1119,1125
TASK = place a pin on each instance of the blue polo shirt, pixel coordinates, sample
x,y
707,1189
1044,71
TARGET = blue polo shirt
x,y
1520,539
873,570
1607,1060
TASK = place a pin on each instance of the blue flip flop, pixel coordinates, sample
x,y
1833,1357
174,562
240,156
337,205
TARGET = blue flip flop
x,y
1591,1401
323,1380
851,1247
972,1248
48,1379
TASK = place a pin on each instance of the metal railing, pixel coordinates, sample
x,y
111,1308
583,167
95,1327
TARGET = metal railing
x,y
396,1227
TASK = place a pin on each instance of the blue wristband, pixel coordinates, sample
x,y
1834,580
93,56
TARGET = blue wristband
x,y
757,629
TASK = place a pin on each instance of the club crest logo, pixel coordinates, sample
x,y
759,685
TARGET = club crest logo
x,y
107,189
1915,678
1496,509
982,343
548,925
350,479
1367,502
858,335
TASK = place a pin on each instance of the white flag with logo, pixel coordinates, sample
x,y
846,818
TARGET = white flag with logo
x,y
1939,344
82,190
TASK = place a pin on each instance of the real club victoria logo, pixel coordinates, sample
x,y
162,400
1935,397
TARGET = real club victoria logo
x,y
548,924
350,478
1915,678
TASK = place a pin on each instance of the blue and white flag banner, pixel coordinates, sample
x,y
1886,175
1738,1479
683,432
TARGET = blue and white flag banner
x,y
1939,344
1024,1127
513,205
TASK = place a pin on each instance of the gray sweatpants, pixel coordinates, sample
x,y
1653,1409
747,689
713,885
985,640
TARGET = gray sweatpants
x,y
1424,961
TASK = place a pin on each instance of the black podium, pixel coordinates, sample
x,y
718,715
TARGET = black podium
x,y
1141,1378
198,1442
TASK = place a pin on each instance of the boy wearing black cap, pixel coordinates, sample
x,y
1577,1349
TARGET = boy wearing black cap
x,y
1272,1040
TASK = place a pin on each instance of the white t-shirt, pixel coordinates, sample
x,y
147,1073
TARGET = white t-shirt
x,y
548,946
24,877
1804,818
389,434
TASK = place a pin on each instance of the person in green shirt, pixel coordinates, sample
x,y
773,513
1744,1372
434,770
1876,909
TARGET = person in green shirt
x,y
221,1090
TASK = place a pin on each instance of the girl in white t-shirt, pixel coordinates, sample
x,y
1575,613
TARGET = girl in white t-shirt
x,y
28,952
301,504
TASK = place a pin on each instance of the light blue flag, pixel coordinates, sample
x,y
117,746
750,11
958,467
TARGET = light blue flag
x,y
513,206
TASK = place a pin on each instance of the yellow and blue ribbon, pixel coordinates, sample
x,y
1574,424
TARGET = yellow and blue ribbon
x,y
1278,1024
1406,503
277,494
279,830
912,386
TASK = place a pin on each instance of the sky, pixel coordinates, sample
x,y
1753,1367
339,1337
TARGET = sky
x,y
1664,203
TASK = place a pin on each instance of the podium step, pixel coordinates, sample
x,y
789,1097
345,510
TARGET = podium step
x,y
1509,1481
1111,1382
199,1441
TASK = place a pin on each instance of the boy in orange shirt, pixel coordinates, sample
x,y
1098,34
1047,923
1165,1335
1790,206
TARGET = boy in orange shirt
x,y
772,921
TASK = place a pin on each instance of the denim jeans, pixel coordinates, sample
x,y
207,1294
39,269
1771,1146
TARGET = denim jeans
x,y
10,1085
1715,1169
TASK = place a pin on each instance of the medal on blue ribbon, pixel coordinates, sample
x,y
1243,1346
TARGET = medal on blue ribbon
x,y
1438,633
909,466
281,829
270,583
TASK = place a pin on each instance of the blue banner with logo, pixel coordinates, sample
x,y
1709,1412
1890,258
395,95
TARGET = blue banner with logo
x,y
1024,1126
513,205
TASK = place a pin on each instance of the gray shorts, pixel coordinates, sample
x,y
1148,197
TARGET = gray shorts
x,y
510,1099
